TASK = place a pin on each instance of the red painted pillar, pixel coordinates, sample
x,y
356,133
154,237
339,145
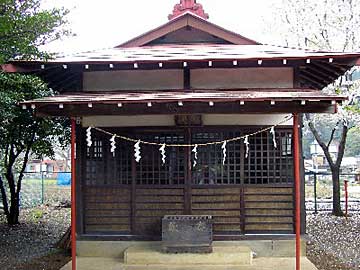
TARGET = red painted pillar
x,y
297,187
346,198
73,205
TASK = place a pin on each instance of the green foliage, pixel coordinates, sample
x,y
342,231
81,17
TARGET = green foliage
x,y
21,128
24,26
37,214
353,142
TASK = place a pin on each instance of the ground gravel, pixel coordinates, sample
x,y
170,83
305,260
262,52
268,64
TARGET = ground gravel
x,y
35,237
334,242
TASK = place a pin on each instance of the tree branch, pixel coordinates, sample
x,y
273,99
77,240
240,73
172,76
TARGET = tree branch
x,y
341,148
25,161
332,134
320,141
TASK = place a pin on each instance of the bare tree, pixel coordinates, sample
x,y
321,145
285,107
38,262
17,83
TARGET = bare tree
x,y
330,25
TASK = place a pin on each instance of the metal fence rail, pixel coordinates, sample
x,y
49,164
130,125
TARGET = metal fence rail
x,y
317,203
326,206
43,188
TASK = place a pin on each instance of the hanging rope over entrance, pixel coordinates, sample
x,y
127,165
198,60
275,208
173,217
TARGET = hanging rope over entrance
x,y
163,146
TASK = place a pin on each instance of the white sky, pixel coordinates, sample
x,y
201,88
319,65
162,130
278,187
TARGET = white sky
x,y
106,23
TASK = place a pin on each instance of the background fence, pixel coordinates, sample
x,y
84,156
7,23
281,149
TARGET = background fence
x,y
38,188
54,188
318,191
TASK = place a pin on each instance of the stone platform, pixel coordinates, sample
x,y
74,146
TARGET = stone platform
x,y
113,255
222,255
266,263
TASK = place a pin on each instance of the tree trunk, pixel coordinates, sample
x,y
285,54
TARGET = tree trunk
x,y
13,218
4,197
13,215
65,241
336,192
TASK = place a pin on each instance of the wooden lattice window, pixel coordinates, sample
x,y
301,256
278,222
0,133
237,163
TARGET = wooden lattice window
x,y
151,171
119,164
95,170
264,165
209,167
267,164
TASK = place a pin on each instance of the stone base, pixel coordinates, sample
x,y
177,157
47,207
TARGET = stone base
x,y
221,255
268,263
116,249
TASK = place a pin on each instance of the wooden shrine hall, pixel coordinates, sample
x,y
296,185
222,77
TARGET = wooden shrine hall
x,y
189,119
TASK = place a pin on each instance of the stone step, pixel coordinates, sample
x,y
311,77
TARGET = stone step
x,y
221,255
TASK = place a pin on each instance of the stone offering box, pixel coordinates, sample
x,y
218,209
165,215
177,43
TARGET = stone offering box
x,y
187,234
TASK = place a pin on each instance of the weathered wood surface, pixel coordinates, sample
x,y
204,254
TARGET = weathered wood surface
x,y
264,210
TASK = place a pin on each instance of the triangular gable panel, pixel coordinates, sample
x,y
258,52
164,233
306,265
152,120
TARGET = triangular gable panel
x,y
185,21
188,35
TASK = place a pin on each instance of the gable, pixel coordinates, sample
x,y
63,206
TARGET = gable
x,y
176,30
188,35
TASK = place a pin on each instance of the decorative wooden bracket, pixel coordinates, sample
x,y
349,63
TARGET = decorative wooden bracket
x,y
188,6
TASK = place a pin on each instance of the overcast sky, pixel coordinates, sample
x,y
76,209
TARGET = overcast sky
x,y
107,23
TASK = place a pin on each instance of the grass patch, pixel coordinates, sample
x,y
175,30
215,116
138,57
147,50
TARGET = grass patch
x,y
37,214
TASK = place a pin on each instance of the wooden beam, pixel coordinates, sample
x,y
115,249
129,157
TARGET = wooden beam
x,y
313,83
321,73
187,108
333,65
326,68
187,79
309,74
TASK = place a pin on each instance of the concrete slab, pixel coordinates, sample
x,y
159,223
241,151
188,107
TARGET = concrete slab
x,y
258,264
222,255
116,249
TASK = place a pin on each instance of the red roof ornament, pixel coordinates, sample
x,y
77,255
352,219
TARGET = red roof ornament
x,y
188,6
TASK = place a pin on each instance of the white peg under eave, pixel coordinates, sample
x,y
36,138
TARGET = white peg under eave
x,y
160,65
90,105
210,63
185,64
86,66
61,106
260,62
331,60
284,61
33,106
272,102
308,61
235,63
42,66
136,65
119,104
111,66
303,102
23,107
333,102
211,103
65,66
180,103
242,102
149,104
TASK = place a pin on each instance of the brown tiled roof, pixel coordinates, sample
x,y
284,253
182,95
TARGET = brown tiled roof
x,y
187,96
207,52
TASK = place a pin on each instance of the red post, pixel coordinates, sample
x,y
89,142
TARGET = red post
x,y
73,205
346,198
297,188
